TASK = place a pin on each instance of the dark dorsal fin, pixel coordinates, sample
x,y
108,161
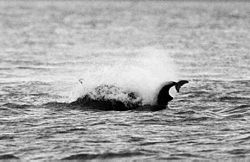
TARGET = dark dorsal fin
x,y
163,96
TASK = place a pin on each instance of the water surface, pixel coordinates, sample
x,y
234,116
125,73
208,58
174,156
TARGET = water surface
x,y
46,46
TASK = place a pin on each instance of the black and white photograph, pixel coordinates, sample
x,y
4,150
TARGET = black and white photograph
x,y
125,80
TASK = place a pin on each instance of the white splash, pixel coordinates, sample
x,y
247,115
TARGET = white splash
x,y
141,71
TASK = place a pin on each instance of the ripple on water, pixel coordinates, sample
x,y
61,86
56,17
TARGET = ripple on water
x,y
104,156
8,157
48,46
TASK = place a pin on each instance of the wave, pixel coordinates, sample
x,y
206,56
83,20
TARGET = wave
x,y
16,106
103,156
8,157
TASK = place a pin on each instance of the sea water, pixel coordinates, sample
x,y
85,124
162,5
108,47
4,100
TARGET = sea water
x,y
47,46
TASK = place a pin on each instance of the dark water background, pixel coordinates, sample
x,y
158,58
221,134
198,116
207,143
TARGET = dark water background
x,y
46,46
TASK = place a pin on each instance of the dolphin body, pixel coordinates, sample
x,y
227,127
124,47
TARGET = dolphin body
x,y
133,100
